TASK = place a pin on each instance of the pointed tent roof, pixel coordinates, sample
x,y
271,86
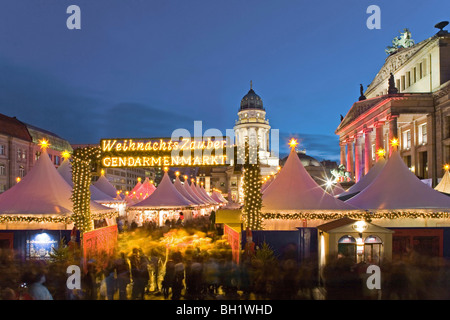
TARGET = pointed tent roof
x,y
267,184
364,181
295,190
337,190
444,184
181,189
136,187
396,187
65,170
147,188
198,194
105,186
205,195
43,191
194,195
217,196
166,196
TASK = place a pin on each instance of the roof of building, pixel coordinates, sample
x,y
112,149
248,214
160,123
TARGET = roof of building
x,y
335,224
251,101
14,128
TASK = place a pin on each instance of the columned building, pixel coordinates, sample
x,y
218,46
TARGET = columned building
x,y
408,100
253,126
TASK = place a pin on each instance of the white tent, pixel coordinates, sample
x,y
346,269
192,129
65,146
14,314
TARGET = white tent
x,y
43,192
337,189
396,187
198,194
444,184
133,191
193,194
146,189
65,171
267,184
203,192
364,181
217,196
180,187
166,196
105,186
295,190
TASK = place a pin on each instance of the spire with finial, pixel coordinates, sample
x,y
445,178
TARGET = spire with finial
x,y
251,84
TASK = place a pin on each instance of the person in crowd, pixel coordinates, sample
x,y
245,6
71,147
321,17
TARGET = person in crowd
x,y
169,277
178,283
139,283
122,269
154,269
37,289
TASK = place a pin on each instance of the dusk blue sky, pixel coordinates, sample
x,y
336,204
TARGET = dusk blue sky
x,y
143,68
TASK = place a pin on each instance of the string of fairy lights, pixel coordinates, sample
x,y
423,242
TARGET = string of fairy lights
x,y
252,188
81,178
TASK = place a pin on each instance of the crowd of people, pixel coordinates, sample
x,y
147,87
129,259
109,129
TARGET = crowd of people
x,y
145,273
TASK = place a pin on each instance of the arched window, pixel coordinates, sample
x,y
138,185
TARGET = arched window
x,y
347,247
372,249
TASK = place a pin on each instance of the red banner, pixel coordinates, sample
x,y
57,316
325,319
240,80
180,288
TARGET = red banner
x,y
99,244
234,239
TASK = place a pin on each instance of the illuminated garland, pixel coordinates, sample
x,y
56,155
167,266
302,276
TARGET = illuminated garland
x,y
83,159
367,216
31,219
252,189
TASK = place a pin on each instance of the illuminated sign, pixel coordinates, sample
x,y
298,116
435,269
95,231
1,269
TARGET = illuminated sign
x,y
163,152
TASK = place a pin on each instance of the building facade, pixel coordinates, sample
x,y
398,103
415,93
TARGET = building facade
x,y
19,149
252,126
408,100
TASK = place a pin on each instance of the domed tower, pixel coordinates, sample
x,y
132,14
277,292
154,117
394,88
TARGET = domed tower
x,y
253,125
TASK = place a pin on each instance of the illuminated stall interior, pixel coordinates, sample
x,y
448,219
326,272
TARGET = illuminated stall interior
x,y
357,240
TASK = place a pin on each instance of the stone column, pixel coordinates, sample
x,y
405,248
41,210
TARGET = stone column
x,y
378,137
350,157
358,162
393,130
343,159
367,150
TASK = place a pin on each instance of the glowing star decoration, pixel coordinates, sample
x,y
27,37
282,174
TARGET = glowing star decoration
x,y
18,179
293,143
381,153
44,144
329,183
102,172
166,169
139,179
65,154
394,142
177,173
446,167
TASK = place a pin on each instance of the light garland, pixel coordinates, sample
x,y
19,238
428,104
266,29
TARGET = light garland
x,y
252,189
83,159
367,216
